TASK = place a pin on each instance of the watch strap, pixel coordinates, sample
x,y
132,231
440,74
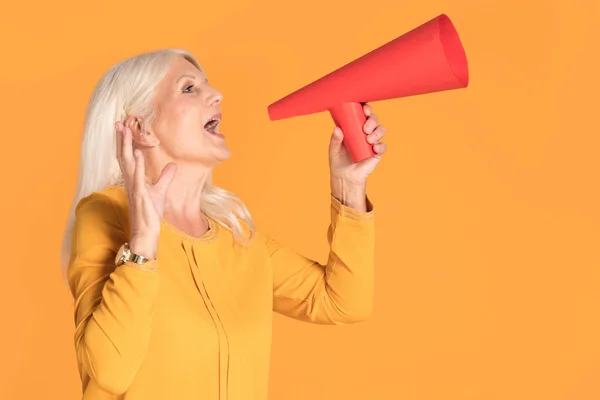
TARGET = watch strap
x,y
126,255
136,258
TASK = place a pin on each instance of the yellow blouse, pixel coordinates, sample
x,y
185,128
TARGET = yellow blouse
x,y
199,325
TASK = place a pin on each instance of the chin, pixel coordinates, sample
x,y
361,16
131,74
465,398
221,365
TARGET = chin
x,y
224,154
219,149
216,156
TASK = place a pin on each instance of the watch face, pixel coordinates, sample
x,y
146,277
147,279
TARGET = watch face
x,y
122,255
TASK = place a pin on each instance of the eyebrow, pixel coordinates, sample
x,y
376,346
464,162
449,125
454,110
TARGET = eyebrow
x,y
189,76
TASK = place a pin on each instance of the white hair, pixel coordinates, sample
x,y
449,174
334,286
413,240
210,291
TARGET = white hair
x,y
128,89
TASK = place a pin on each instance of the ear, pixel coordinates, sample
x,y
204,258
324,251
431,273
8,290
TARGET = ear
x,y
139,135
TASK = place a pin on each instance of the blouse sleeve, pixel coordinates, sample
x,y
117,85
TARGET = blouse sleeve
x,y
113,306
339,292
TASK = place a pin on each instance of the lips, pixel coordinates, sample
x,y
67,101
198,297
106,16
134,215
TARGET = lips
x,y
212,125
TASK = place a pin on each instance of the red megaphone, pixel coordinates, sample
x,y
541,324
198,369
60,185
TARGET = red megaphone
x,y
428,59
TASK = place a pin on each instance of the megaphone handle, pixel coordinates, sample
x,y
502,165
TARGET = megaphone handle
x,y
350,117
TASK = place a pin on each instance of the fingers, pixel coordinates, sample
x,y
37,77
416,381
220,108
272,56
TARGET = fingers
x,y
139,182
376,135
370,124
379,149
338,135
124,145
119,134
374,139
374,132
127,151
335,144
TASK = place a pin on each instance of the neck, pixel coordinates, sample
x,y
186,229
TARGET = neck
x,y
184,197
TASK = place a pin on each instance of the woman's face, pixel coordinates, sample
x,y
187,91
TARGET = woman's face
x,y
186,105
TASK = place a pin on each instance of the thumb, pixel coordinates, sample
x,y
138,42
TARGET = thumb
x,y
165,178
336,142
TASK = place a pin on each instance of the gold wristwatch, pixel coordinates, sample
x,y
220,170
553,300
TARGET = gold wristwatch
x,y
125,254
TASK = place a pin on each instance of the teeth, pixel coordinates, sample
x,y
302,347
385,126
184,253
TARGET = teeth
x,y
212,124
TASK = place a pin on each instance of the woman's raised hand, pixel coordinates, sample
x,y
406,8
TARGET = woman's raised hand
x,y
146,201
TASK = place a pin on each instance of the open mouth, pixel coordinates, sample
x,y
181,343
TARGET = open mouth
x,y
212,125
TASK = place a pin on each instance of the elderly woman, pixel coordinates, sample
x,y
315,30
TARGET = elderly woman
x,y
174,288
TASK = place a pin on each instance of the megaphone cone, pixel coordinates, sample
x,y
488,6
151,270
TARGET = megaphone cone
x,y
428,59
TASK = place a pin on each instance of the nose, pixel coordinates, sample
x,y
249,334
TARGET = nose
x,y
215,97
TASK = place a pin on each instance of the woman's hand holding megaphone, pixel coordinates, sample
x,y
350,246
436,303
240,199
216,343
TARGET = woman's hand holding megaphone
x,y
349,179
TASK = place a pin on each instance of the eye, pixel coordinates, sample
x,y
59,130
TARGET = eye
x,y
186,90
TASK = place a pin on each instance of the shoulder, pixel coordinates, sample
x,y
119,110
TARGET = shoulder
x,y
112,196
107,206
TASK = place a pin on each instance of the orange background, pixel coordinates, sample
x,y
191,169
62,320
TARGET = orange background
x,y
488,228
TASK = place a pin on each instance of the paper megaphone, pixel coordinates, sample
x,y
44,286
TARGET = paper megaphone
x,y
428,59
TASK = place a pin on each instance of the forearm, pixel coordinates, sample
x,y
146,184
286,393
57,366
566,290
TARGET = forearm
x,y
349,272
339,292
113,340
